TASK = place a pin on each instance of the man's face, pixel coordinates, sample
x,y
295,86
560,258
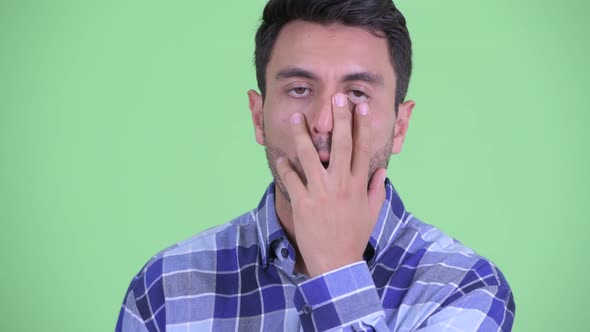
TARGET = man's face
x,y
310,63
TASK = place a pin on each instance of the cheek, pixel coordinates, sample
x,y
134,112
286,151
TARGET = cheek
x,y
277,126
381,129
279,113
277,123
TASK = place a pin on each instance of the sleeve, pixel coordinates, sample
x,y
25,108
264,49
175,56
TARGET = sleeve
x,y
343,299
129,316
482,302
347,299
481,310
143,308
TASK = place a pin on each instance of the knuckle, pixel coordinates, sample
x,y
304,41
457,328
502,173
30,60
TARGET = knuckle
x,y
344,190
306,203
363,122
342,114
346,145
363,146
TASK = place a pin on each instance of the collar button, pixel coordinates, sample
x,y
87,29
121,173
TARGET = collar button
x,y
285,252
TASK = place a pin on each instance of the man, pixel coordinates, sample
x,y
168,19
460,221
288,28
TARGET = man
x,y
330,245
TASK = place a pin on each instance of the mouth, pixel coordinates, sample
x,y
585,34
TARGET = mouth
x,y
324,158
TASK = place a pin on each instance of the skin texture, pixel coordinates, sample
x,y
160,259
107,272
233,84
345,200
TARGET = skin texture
x,y
329,126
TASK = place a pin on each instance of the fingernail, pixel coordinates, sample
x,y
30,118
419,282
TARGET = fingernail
x,y
340,100
296,118
363,109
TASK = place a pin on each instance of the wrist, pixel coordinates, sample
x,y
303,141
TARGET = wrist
x,y
317,268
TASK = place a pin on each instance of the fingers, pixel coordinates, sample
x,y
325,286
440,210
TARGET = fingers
x,y
290,178
306,151
362,141
340,155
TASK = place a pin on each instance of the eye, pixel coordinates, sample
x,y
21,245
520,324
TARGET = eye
x,y
357,96
299,92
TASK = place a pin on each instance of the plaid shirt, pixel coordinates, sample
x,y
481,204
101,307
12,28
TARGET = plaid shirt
x,y
240,276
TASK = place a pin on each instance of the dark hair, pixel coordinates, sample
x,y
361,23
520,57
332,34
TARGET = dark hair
x,y
380,17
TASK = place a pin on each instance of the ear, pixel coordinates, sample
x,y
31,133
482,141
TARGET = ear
x,y
255,104
402,122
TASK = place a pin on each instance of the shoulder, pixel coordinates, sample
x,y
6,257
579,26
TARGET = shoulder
x,y
202,249
442,252
172,271
214,249
442,273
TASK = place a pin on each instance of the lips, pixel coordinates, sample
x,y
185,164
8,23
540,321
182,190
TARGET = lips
x,y
324,157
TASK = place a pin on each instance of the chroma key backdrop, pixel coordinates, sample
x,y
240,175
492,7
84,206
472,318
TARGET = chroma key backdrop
x,y
124,128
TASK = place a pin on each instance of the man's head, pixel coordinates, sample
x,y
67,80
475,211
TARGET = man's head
x,y
379,17
309,50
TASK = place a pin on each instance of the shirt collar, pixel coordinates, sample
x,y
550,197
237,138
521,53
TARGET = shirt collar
x,y
391,218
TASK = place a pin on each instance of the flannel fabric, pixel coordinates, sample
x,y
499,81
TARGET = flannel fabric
x,y
240,276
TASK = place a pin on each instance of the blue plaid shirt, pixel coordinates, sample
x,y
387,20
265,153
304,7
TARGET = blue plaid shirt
x,y
240,276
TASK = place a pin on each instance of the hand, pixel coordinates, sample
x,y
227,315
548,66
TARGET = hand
x,y
335,212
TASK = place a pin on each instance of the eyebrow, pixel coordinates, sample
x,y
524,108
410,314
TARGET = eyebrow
x,y
364,76
296,72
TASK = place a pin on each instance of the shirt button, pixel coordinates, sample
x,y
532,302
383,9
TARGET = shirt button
x,y
285,252
306,309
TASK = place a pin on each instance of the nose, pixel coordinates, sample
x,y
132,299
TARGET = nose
x,y
322,118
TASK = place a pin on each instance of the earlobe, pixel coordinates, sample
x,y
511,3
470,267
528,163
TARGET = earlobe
x,y
255,104
402,122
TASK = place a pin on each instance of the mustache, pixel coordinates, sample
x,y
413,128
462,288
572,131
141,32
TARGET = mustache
x,y
323,143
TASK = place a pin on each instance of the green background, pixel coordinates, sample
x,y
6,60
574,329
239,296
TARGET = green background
x,y
124,128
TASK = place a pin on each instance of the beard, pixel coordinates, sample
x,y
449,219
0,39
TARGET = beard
x,y
379,159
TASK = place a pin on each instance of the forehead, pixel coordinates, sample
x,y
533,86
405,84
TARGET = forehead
x,y
330,50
